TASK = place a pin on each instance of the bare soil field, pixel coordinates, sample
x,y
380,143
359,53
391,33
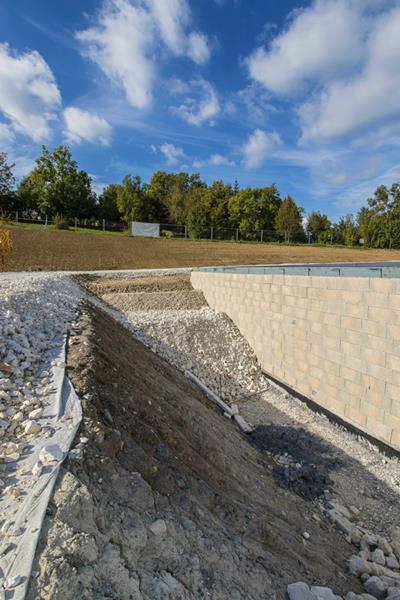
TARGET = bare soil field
x,y
35,250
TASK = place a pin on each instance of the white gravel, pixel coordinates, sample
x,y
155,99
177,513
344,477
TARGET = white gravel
x,y
34,316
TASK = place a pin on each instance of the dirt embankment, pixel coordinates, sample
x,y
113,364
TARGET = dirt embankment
x,y
169,499
41,250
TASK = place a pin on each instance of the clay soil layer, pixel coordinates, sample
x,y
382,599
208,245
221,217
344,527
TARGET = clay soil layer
x,y
35,250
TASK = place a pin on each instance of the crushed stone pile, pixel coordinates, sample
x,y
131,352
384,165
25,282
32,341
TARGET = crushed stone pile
x,y
144,301
190,337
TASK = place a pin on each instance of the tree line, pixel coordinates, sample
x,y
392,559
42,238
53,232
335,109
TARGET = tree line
x,y
56,187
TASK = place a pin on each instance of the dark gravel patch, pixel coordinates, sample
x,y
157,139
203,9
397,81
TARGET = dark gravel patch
x,y
305,461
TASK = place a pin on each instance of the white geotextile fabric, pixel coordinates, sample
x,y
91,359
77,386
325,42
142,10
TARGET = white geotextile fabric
x,y
60,423
145,229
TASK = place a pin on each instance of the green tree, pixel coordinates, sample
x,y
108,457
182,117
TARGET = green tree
x,y
107,207
318,224
196,212
289,220
253,209
379,223
7,181
56,186
159,190
348,230
178,199
216,200
130,199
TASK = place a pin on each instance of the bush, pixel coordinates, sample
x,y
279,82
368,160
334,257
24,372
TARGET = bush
x,y
60,222
168,234
5,245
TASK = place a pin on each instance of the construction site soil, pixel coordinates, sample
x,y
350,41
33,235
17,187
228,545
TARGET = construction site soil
x,y
165,498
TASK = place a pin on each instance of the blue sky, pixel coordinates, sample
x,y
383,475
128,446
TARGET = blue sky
x,y
303,94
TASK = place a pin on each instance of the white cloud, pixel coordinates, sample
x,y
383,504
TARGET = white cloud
x,y
125,42
369,99
257,102
198,48
171,18
29,96
84,126
173,154
6,134
201,106
258,146
215,160
121,45
321,41
344,54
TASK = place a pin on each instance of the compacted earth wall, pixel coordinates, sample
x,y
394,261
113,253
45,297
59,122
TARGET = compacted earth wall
x,y
331,332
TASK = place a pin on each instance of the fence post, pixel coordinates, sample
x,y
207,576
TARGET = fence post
x,y
16,216
104,225
45,221
212,232
237,235
186,231
76,223
262,235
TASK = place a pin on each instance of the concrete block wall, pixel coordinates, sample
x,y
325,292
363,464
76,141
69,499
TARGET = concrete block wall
x,y
335,340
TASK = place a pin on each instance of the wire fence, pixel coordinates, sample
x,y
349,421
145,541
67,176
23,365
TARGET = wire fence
x,y
211,232
70,222
169,230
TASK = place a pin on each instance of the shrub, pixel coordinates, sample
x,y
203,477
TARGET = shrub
x,y
5,244
60,222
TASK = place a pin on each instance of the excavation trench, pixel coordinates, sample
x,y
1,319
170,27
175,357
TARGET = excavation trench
x,y
169,500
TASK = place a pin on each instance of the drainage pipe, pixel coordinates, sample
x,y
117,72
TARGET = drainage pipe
x,y
232,412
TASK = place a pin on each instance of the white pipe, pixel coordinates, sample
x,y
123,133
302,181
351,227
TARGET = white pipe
x,y
229,411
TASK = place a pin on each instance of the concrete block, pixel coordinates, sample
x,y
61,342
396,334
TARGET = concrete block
x,y
378,372
377,343
355,389
336,405
372,384
382,286
376,357
331,319
392,421
382,315
350,323
357,364
379,430
374,328
350,349
376,299
370,410
356,310
353,283
393,392
350,374
393,362
355,416
395,439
